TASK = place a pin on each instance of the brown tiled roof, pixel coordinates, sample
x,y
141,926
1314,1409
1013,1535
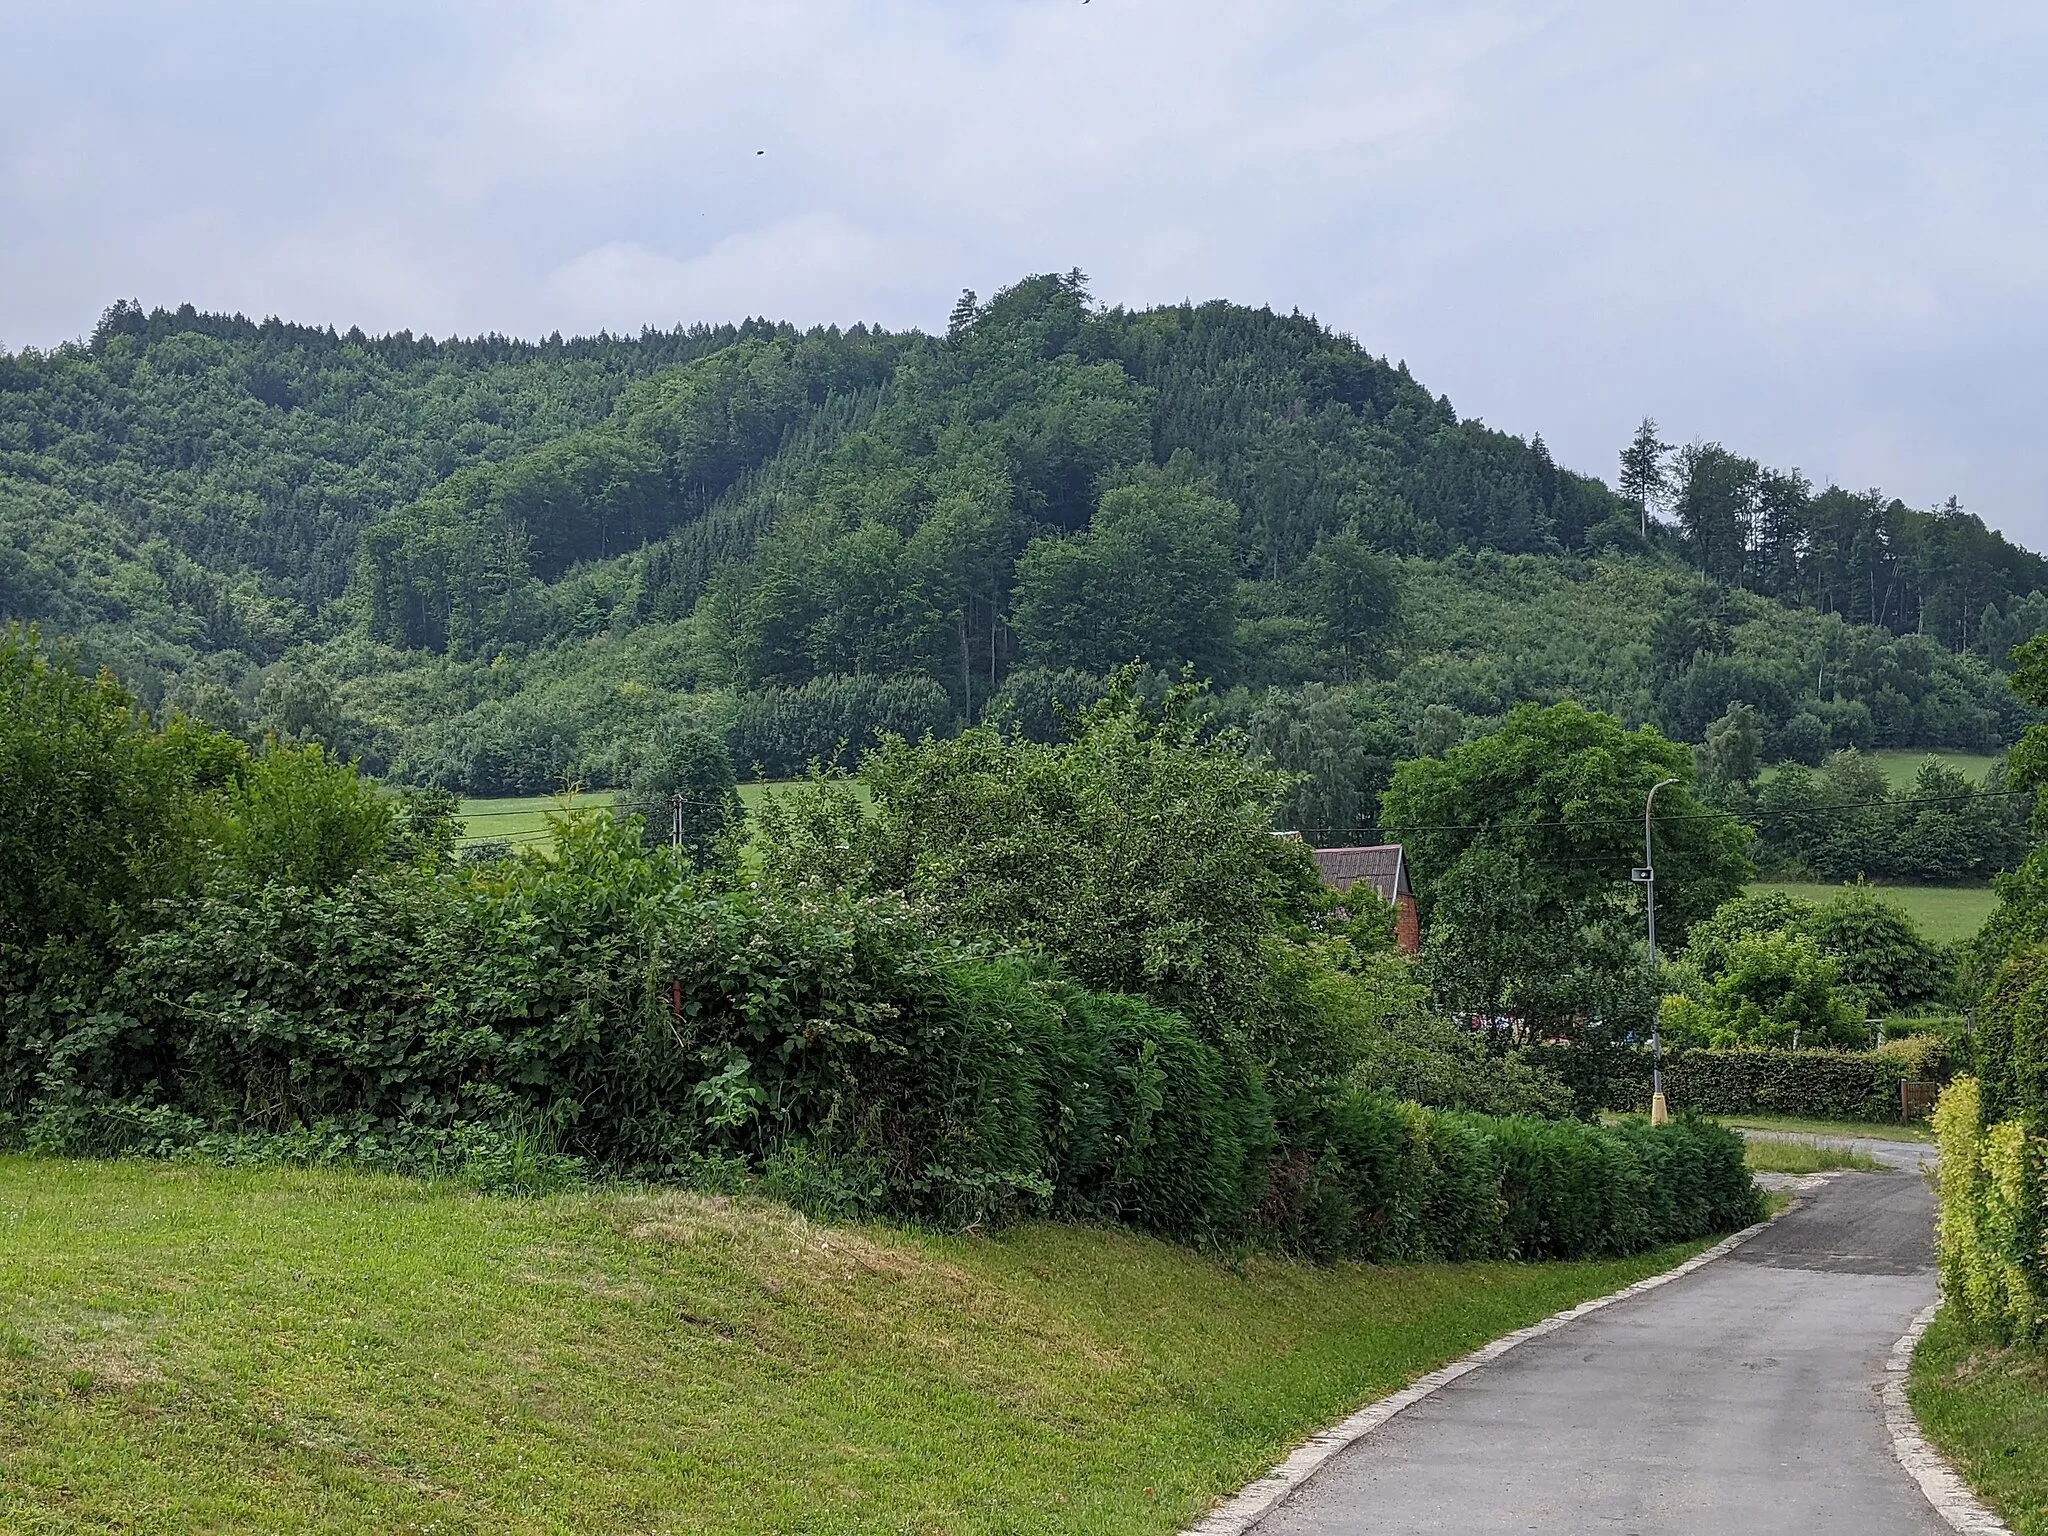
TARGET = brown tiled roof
x,y
1383,868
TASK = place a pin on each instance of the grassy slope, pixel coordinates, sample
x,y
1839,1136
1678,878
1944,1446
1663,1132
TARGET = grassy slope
x,y
521,819
1946,912
1902,764
1987,1411
187,1348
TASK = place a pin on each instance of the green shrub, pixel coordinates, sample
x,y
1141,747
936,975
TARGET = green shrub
x,y
1923,1058
297,817
1152,1126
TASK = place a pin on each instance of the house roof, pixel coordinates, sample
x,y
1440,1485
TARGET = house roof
x,y
1384,868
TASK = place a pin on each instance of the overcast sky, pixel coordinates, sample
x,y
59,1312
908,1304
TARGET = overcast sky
x,y
1810,230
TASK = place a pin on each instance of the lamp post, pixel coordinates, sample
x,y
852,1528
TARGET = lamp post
x,y
1660,1112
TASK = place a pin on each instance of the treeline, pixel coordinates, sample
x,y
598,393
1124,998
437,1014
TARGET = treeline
x,y
476,552
1870,558
1014,987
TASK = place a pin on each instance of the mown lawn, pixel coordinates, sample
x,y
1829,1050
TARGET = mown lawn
x,y
1987,1410
187,1348
1944,912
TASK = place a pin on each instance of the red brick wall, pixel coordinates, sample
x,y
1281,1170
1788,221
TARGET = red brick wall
x,y
1407,926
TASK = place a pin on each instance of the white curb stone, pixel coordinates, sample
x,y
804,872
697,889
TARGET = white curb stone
x,y
1945,1491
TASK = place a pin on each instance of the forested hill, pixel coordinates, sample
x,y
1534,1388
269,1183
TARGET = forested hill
x,y
498,564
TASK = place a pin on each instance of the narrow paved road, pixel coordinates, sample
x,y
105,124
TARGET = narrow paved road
x,y
1740,1400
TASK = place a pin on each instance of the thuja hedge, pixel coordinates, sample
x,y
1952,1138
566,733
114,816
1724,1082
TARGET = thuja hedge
x,y
610,1008
1400,1181
1993,1242
1992,1238
1821,1085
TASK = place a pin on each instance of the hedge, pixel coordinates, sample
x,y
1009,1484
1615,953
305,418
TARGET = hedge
x,y
2012,1040
828,1047
1397,1181
1993,1234
1820,1085
1993,1182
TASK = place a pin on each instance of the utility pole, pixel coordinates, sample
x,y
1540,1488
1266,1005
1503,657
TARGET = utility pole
x,y
1660,1111
675,827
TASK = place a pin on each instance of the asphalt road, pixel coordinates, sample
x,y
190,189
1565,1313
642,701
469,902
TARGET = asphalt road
x,y
1740,1400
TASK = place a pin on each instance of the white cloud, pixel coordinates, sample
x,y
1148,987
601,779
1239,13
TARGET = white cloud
x,y
812,269
1810,231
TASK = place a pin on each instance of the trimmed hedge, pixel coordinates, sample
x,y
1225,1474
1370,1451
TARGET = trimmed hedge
x,y
1819,1085
1397,1181
1993,1235
1992,1238
2012,1040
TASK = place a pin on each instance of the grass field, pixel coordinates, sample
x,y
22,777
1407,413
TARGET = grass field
x,y
1986,1408
523,820
187,1348
1901,765
1945,912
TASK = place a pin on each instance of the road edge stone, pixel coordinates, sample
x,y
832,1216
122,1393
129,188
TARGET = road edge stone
x,y
1255,1501
1947,1492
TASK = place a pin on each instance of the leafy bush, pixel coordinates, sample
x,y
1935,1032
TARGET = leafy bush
x,y
1772,988
1925,1058
296,817
1139,857
1406,1049
97,810
1881,960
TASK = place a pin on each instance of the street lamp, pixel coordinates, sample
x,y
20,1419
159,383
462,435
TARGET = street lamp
x,y
1660,1112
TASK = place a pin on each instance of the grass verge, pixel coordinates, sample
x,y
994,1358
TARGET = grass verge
x,y
192,1348
1776,1156
1986,1409
1876,1130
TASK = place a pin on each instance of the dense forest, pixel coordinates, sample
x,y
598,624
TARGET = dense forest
x,y
498,566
